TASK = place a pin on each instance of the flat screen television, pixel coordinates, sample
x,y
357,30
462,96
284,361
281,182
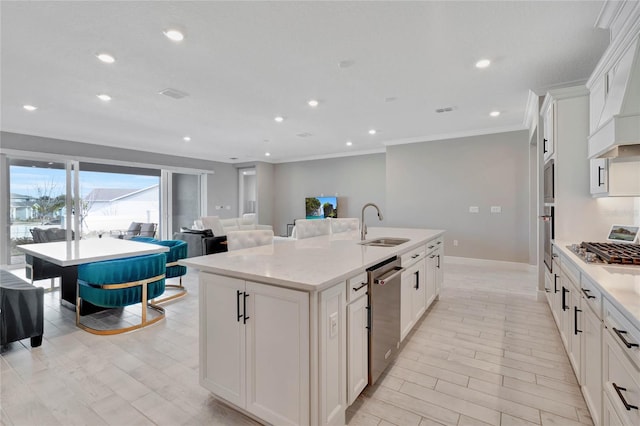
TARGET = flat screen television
x,y
321,207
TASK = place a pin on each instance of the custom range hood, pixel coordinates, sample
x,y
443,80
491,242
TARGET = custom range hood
x,y
614,87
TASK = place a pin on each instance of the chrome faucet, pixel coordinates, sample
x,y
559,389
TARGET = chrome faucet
x,y
363,226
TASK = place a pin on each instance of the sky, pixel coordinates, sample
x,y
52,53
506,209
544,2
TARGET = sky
x,y
27,180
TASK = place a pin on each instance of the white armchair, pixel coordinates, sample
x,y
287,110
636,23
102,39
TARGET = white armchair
x,y
307,228
345,224
237,240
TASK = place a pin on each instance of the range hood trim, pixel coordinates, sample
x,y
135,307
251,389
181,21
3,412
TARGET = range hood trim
x,y
624,130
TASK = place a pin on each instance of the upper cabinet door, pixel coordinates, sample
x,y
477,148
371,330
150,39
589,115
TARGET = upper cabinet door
x,y
599,177
548,140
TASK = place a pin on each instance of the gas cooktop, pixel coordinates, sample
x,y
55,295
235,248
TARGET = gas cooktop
x,y
608,253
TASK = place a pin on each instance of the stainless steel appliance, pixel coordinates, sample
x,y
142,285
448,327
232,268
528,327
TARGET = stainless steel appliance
x,y
384,315
548,236
549,187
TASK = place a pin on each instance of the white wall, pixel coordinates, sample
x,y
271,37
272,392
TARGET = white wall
x,y
355,180
433,184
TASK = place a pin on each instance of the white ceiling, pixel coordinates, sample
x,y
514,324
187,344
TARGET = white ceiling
x,y
243,63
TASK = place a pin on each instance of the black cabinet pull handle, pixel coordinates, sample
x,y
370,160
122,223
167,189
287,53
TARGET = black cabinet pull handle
x,y
600,180
547,290
368,308
358,288
564,298
244,308
624,401
416,255
620,334
575,320
586,292
238,293
544,146
555,283
439,242
431,247
417,279
438,264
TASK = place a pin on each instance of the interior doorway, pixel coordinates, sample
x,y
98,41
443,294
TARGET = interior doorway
x,y
247,188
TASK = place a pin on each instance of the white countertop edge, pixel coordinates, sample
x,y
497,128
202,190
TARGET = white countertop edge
x,y
385,253
593,273
153,249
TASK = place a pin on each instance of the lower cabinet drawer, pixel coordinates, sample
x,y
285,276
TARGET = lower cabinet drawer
x,y
356,286
620,381
609,415
626,335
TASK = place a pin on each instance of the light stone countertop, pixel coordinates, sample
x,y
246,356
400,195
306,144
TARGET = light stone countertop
x,y
310,264
620,284
77,252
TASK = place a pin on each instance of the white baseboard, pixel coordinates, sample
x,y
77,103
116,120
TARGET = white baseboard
x,y
518,266
541,296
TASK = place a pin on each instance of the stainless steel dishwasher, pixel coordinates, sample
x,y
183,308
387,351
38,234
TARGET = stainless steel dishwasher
x,y
384,315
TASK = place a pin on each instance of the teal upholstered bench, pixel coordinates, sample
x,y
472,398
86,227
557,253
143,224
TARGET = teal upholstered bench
x,y
119,283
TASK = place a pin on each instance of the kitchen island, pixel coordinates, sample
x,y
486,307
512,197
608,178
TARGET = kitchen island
x,y
275,341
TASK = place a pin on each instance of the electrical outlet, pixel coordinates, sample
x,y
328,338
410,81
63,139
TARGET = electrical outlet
x,y
474,209
496,209
333,324
455,243
228,207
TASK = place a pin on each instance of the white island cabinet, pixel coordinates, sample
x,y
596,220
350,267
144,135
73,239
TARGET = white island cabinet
x,y
283,327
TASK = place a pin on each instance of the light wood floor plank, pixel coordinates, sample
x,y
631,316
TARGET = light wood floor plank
x,y
486,353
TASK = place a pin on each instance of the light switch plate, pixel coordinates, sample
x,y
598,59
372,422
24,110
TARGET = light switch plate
x,y
496,209
474,209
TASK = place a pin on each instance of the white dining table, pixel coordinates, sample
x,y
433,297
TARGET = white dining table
x,y
70,254
73,253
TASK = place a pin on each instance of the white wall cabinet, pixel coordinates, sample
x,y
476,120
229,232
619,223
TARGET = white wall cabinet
x,y
257,352
548,140
598,173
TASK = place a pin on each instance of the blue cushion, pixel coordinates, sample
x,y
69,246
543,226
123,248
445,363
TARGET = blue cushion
x,y
92,276
144,239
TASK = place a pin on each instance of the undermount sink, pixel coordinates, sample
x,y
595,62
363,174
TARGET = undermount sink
x,y
385,242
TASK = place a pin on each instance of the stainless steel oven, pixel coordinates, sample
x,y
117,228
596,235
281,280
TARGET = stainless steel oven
x,y
548,181
549,235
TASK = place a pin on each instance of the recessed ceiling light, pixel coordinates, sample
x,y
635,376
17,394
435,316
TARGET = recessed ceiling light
x,y
483,63
30,107
267,154
50,163
104,97
313,103
187,138
279,119
494,113
106,58
349,143
173,35
372,132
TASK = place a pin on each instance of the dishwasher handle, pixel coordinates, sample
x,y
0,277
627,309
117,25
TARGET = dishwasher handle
x,y
389,275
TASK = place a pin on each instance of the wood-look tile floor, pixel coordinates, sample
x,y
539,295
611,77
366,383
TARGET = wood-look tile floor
x,y
486,353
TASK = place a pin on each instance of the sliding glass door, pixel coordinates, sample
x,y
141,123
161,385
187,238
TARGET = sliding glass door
x,y
94,200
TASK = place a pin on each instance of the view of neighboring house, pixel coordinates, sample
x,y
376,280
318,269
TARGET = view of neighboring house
x,y
22,207
115,208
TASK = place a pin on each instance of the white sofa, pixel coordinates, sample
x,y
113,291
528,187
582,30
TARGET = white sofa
x,y
220,227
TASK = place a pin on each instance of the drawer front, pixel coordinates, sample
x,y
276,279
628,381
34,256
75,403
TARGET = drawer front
x,y
414,255
592,295
356,286
620,379
570,271
624,333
